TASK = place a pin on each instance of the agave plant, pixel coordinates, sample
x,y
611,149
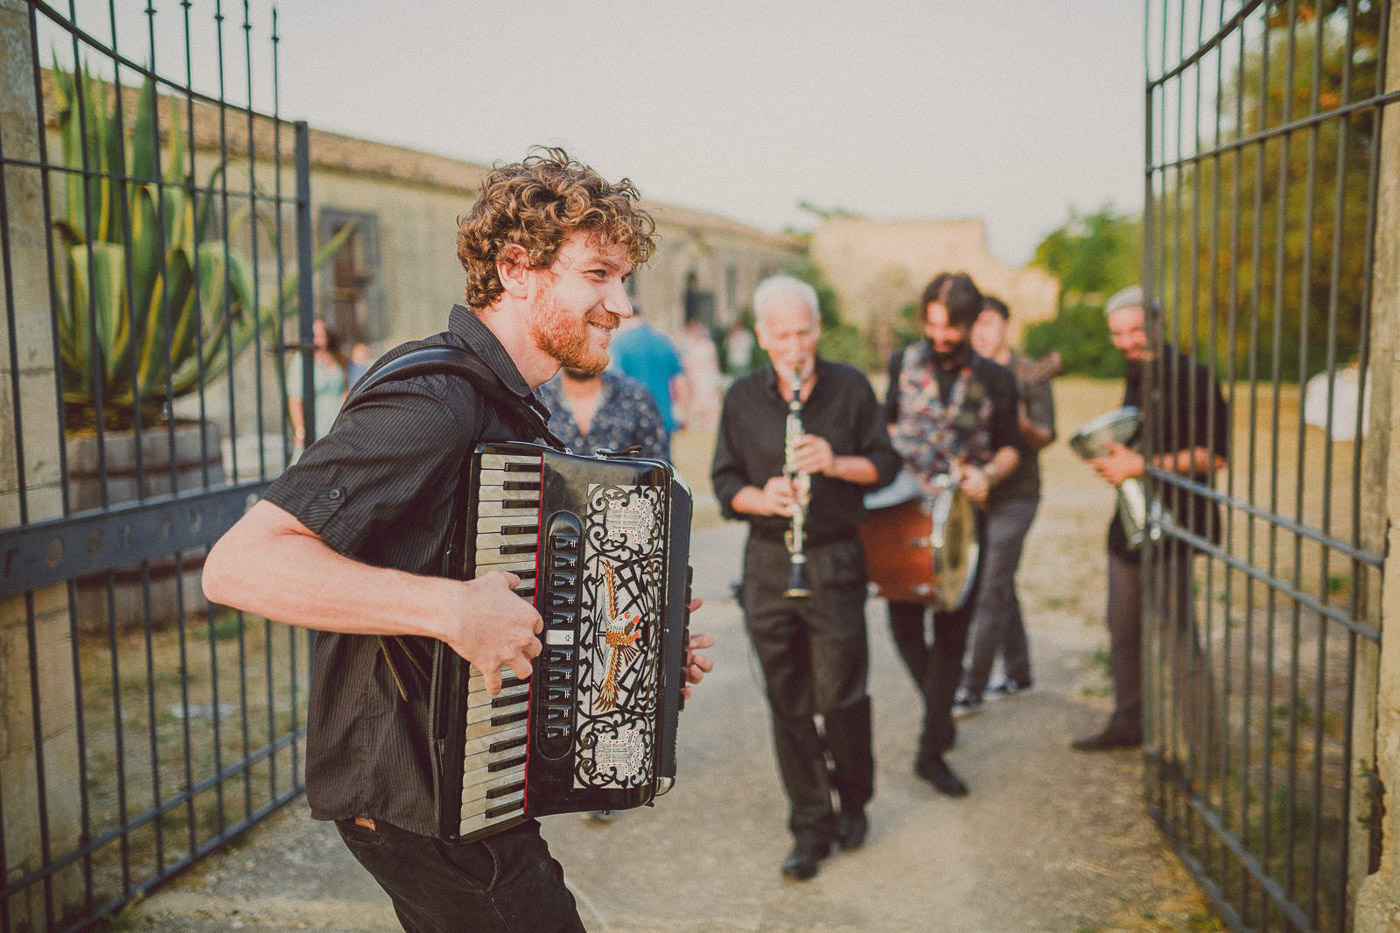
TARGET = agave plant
x,y
152,306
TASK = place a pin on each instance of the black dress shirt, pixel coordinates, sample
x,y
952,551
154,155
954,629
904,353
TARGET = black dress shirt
x,y
380,487
750,449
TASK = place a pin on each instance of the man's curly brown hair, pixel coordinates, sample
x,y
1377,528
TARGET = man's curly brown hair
x,y
537,204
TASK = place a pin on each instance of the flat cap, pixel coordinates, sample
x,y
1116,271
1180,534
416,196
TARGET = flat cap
x,y
1130,297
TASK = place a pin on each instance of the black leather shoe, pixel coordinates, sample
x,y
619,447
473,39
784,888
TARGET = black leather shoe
x,y
1107,740
801,862
851,828
936,771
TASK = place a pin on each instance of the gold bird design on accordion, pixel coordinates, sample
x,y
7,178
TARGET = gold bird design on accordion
x,y
620,636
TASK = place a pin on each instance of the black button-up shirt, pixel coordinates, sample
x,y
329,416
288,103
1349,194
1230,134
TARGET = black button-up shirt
x,y
750,449
379,487
1188,411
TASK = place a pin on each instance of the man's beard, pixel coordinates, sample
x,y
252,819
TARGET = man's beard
x,y
563,336
582,375
945,357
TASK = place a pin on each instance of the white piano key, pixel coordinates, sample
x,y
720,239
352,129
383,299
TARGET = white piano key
x,y
523,509
499,461
481,789
495,541
492,524
481,822
483,775
475,807
479,744
495,560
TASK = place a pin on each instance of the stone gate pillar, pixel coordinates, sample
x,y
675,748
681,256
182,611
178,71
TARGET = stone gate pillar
x,y
35,646
1378,900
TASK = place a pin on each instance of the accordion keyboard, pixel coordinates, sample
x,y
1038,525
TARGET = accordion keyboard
x,y
506,537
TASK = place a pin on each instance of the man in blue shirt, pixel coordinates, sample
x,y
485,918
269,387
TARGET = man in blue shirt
x,y
644,353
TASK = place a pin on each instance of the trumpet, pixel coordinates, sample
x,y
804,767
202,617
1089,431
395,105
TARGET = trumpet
x,y
796,537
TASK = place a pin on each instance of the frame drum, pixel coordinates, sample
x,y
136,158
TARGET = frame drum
x,y
920,549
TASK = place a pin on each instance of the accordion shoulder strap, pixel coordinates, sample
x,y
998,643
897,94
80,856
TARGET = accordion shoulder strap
x,y
456,361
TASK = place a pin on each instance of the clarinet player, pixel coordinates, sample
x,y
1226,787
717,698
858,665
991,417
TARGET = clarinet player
x,y
812,645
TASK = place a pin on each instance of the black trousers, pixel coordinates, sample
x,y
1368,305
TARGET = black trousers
x,y
815,659
936,667
506,882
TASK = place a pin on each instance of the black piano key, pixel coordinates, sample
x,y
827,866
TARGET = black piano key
x,y
520,530
499,701
502,810
508,719
506,744
510,681
504,790
507,764
518,549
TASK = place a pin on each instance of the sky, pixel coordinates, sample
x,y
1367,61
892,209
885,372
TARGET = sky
x,y
1014,111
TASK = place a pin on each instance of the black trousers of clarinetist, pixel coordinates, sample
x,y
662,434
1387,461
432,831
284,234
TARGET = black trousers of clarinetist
x,y
815,659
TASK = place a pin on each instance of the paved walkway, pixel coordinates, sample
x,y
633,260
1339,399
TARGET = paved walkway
x,y
1048,840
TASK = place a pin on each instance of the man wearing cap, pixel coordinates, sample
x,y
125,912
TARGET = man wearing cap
x,y
1190,436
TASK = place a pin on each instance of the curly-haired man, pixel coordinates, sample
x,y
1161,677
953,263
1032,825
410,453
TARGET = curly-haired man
x,y
350,541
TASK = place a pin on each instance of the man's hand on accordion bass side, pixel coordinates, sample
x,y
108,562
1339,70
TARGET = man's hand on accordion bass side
x,y
697,665
493,628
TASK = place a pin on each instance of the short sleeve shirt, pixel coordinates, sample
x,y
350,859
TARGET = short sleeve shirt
x,y
380,487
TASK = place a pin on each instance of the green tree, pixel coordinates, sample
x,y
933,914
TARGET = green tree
x,y
1278,228
1092,255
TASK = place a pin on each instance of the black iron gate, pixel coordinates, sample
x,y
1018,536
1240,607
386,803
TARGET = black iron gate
x,y
1263,162
156,244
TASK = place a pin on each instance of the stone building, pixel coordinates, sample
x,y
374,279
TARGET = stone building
x,y
398,273
878,266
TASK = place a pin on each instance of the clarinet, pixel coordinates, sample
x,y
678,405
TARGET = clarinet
x,y
797,535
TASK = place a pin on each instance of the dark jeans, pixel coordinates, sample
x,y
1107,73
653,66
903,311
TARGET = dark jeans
x,y
815,659
506,882
997,625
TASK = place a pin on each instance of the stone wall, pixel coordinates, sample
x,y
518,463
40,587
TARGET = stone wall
x,y
877,266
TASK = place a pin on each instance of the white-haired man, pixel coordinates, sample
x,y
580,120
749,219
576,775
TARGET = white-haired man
x,y
1192,438
813,650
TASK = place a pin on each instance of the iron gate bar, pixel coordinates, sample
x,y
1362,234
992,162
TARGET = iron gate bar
x,y
43,554
152,816
1377,103
1206,47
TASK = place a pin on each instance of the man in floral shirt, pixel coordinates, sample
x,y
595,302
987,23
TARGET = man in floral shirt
x,y
952,416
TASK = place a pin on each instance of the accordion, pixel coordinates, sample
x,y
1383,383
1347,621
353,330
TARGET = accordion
x,y
602,548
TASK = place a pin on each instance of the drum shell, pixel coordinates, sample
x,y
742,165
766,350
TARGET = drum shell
x,y
898,556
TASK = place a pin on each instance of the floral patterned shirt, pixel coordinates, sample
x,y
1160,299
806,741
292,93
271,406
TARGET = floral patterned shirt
x,y
626,416
936,426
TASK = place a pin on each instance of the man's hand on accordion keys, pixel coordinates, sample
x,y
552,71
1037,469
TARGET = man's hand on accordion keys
x,y
492,627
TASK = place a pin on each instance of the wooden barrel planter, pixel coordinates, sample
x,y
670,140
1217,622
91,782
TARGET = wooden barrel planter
x,y
169,583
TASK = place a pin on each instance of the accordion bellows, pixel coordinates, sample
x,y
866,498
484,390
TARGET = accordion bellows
x,y
602,547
